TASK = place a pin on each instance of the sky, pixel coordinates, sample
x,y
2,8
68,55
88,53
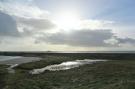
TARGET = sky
x,y
67,25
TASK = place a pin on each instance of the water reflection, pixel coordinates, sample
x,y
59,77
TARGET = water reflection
x,y
65,65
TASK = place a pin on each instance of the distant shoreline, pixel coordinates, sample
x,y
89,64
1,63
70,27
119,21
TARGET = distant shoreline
x,y
97,55
67,52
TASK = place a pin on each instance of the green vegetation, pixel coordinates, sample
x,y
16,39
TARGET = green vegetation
x,y
113,74
3,75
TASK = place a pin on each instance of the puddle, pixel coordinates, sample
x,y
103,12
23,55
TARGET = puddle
x,y
65,65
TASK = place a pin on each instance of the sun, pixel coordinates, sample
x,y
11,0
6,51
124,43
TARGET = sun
x,y
67,20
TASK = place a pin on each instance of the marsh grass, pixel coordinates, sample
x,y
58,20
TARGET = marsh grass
x,y
113,74
3,75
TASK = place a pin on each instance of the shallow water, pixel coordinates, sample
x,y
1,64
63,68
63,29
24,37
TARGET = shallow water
x,y
65,65
5,58
14,61
11,68
11,60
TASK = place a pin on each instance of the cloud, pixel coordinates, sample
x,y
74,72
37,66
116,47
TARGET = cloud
x,y
126,40
86,38
29,18
22,8
8,25
38,24
95,24
23,17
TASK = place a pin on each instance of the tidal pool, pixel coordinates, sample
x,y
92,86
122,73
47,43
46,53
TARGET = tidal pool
x,y
65,65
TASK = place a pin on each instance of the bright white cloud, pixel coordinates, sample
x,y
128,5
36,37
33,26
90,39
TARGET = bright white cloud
x,y
22,9
112,41
95,24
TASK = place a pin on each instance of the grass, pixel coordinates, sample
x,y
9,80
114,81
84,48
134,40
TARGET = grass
x,y
113,74
3,74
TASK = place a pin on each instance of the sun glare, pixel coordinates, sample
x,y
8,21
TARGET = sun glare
x,y
67,20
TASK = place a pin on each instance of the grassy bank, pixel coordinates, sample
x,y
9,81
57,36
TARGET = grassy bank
x,y
116,74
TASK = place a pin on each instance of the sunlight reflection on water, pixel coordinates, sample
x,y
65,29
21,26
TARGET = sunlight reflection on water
x,y
65,65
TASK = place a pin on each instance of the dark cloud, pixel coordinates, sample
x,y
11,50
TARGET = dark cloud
x,y
126,40
79,38
8,25
37,24
85,38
